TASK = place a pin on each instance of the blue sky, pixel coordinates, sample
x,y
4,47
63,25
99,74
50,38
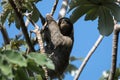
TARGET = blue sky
x,y
85,34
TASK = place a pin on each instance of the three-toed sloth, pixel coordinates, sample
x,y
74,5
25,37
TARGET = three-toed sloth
x,y
59,42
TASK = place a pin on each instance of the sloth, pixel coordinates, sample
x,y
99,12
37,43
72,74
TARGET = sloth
x,y
59,42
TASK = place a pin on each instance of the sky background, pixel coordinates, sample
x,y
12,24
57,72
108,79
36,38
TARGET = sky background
x,y
85,34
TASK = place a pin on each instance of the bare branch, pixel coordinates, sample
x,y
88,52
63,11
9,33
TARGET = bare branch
x,y
114,51
39,37
4,34
88,56
40,42
54,7
63,9
23,27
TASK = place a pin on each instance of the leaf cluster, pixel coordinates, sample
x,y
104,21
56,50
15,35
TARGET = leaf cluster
x,y
23,6
16,65
103,10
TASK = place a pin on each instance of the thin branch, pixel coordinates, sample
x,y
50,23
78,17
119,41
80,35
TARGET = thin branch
x,y
88,56
52,12
23,27
63,9
40,42
54,7
4,34
38,35
114,52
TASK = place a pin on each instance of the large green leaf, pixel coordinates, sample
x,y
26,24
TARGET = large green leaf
x,y
106,24
34,67
21,74
76,3
115,10
80,11
41,59
105,10
92,14
5,68
15,58
35,14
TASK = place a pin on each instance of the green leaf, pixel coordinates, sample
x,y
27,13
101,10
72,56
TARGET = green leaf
x,y
35,14
75,3
41,59
108,1
80,11
106,24
11,18
4,16
5,68
15,44
17,22
34,67
92,14
21,74
73,58
71,68
38,77
115,9
15,58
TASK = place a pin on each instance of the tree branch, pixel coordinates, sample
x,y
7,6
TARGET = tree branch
x,y
23,27
54,7
38,35
4,34
63,9
52,13
114,51
88,56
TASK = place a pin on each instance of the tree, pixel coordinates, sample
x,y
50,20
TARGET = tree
x,y
19,56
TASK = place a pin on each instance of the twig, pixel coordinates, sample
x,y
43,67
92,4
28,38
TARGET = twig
x,y
4,34
63,9
52,13
40,42
23,27
114,52
88,56
39,37
54,7
41,17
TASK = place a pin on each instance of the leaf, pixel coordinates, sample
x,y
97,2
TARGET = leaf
x,y
34,67
41,59
5,68
71,68
92,14
11,18
106,24
75,3
73,58
15,44
15,58
80,11
115,9
35,14
21,74
17,21
4,16
38,77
